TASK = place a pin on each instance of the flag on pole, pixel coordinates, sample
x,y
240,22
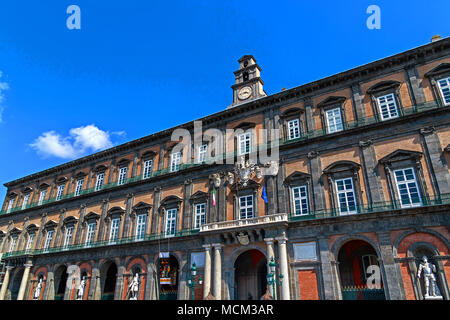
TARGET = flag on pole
x,y
264,194
214,197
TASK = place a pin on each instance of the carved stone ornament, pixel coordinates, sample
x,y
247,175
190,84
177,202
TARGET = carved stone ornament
x,y
313,154
365,144
243,239
427,130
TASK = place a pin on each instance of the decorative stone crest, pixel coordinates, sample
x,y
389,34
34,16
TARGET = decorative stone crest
x,y
243,239
365,144
427,130
313,154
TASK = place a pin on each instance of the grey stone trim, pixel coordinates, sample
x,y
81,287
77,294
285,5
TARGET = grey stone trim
x,y
329,285
371,172
358,101
309,114
315,168
415,85
187,206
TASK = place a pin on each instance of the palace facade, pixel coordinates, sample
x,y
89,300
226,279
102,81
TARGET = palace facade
x,y
359,194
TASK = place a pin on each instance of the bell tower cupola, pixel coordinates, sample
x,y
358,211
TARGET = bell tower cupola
x,y
248,84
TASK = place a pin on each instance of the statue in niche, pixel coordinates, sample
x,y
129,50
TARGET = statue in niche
x,y
80,291
133,288
429,270
37,291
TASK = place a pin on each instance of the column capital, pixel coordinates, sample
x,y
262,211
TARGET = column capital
x,y
269,240
28,265
207,246
9,267
282,239
217,245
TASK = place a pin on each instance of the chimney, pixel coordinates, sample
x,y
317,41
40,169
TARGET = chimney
x,y
436,38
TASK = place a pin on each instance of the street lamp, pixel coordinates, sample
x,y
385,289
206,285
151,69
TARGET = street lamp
x,y
271,276
192,282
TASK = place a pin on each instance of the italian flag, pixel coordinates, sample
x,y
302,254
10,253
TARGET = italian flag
x,y
214,197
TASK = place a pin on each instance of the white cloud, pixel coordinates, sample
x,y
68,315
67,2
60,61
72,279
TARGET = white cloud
x,y
3,87
79,141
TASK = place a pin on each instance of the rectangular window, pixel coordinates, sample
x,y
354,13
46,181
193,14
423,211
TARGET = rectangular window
x,y
444,86
60,192
245,143
99,181
68,236
246,207
200,215
122,175
171,222
294,129
202,150
140,226
369,260
10,205
175,161
30,241
387,106
346,196
334,120
25,201
300,198
147,173
90,233
407,188
42,197
79,187
12,245
48,239
114,232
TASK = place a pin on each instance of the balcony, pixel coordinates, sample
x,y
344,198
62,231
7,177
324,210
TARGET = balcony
x,y
273,218
304,137
99,244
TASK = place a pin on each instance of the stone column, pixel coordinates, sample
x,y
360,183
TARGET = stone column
x,y
392,279
270,255
120,279
207,280
217,293
435,159
315,167
284,268
23,283
5,282
327,271
151,283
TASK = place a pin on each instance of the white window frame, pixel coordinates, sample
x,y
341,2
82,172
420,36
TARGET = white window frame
x,y
48,239
390,104
60,191
345,192
332,124
301,199
99,181
68,235
175,161
90,234
294,129
200,215
202,152
141,224
13,243
246,207
407,182
445,90
79,186
42,195
122,178
10,205
245,143
30,241
171,222
147,172
114,231
25,201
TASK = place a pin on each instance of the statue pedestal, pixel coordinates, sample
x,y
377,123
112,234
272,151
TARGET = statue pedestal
x,y
434,298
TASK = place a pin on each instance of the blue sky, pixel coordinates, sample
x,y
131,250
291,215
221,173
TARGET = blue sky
x,y
138,67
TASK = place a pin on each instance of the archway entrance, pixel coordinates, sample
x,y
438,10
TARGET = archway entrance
x,y
109,286
360,272
250,275
60,282
15,284
168,278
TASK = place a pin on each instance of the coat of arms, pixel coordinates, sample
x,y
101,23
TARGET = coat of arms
x,y
243,239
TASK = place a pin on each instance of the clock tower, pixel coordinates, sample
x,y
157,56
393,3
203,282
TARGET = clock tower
x,y
248,84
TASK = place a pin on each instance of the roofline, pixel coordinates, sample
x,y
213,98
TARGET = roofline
x,y
304,89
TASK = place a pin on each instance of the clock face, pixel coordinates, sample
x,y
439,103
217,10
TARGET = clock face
x,y
244,93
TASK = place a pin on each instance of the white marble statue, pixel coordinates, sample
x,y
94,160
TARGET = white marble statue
x,y
37,291
80,291
133,288
429,270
